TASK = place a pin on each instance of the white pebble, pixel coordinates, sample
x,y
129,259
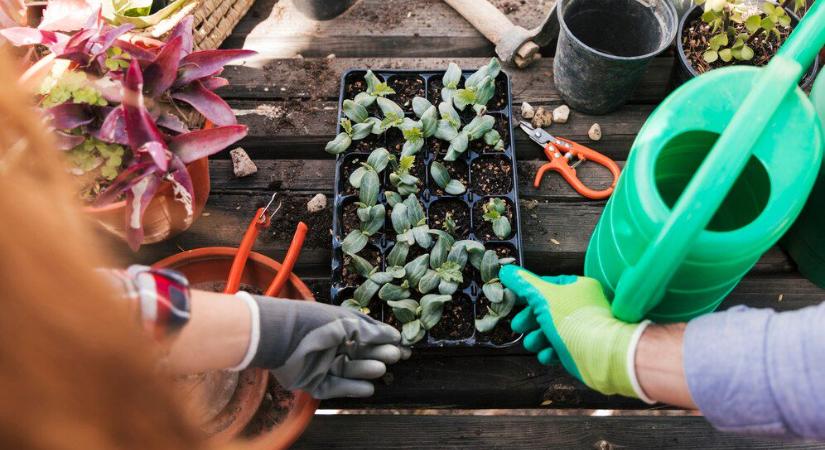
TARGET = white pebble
x,y
595,132
527,111
561,114
317,203
242,165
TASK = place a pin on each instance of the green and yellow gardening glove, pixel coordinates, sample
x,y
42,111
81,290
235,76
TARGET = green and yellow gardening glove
x,y
569,317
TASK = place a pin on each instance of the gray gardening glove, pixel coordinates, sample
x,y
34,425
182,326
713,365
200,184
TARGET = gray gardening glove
x,y
325,350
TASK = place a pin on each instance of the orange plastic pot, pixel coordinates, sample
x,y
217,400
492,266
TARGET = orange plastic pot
x,y
211,264
165,217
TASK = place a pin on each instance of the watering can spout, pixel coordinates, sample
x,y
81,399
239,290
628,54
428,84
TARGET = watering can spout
x,y
642,286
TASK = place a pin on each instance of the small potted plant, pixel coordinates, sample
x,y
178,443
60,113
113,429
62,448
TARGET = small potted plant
x,y
721,33
123,114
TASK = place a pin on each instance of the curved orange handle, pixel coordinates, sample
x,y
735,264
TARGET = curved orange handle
x,y
259,222
559,163
289,261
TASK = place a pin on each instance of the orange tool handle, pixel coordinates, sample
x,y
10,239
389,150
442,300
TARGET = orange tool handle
x,y
259,222
289,261
559,163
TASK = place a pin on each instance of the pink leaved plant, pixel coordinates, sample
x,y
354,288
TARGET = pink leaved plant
x,y
132,100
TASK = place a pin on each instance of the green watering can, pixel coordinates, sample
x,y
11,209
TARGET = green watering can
x,y
716,176
805,241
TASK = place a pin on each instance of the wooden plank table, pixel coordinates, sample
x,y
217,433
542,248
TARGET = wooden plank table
x,y
287,95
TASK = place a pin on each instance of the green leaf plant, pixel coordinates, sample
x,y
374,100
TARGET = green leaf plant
x,y
495,212
729,43
501,299
401,179
410,223
441,177
479,88
376,162
371,214
355,126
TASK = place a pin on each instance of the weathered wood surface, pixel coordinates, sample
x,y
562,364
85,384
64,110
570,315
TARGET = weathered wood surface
x,y
414,431
290,105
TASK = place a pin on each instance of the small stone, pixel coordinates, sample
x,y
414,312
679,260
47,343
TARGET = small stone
x,y
317,203
595,132
527,111
542,118
531,204
331,56
561,114
242,165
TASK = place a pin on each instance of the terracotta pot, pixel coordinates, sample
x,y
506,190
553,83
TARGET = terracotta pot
x,y
165,217
211,264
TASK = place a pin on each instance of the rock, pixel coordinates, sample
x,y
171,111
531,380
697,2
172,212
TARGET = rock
x,y
542,118
242,165
561,114
317,203
527,111
595,132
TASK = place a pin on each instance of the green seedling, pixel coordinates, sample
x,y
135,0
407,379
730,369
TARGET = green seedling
x,y
376,162
728,43
447,262
418,317
410,223
495,212
401,179
450,82
441,177
355,126
479,88
501,299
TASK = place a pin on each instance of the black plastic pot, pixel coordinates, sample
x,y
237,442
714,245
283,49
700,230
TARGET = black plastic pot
x,y
322,9
684,71
604,47
429,195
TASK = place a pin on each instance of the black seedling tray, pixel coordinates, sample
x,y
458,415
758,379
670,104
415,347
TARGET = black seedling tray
x,y
382,241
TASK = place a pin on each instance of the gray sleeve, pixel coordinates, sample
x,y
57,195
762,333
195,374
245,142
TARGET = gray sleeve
x,y
759,372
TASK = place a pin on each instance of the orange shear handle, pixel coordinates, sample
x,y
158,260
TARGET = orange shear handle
x,y
561,165
259,222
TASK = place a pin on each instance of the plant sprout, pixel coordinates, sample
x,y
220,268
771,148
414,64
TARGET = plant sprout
x,y
376,162
495,212
449,224
441,177
356,126
370,214
479,88
393,114
728,43
400,177
450,82
418,317
447,261
493,139
410,223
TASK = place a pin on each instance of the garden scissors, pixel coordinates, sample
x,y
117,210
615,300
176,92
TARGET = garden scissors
x,y
560,151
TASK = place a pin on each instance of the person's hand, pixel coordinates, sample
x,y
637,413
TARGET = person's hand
x,y
569,317
325,350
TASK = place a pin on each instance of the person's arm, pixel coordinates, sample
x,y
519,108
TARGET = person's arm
x,y
660,366
325,350
760,372
216,337
748,370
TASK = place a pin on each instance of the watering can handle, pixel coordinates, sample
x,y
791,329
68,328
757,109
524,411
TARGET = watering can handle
x,y
643,285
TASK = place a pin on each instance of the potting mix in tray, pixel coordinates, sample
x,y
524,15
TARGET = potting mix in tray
x,y
426,203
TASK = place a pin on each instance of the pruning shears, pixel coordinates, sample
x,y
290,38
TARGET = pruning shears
x,y
560,151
